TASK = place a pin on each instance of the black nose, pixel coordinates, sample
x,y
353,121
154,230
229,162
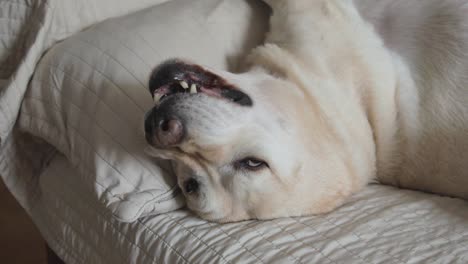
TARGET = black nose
x,y
191,186
163,129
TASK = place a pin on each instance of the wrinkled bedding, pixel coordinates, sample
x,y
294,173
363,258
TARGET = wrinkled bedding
x,y
28,29
380,225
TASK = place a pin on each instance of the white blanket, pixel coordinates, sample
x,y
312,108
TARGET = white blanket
x,y
380,225
27,29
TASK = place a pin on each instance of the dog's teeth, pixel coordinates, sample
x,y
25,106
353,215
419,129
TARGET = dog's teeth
x,y
184,84
193,88
157,97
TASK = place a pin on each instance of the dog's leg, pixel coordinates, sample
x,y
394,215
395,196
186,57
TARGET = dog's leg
x,y
312,29
317,33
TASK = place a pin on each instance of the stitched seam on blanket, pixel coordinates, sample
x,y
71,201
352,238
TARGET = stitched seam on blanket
x,y
23,112
88,88
55,236
9,161
7,164
18,3
13,82
177,222
98,213
83,85
85,167
326,237
70,77
392,256
135,32
163,240
45,2
105,33
79,233
357,254
105,77
219,227
105,189
283,230
52,105
59,244
88,168
98,184
112,58
263,237
422,227
123,44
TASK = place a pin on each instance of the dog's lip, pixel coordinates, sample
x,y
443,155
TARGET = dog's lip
x,y
174,77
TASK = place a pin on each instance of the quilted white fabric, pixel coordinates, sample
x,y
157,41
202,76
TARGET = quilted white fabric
x,y
380,225
29,27
89,93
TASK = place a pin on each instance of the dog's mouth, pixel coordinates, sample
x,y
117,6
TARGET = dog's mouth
x,y
176,77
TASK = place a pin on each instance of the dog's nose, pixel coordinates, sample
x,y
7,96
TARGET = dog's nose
x,y
163,130
170,131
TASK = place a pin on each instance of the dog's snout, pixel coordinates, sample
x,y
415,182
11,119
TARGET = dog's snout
x,y
191,186
162,129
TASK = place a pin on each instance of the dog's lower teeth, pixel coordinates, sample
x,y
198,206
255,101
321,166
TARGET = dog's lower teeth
x,y
184,84
193,89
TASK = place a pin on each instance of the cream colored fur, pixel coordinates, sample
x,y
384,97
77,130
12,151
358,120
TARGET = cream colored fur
x,y
345,93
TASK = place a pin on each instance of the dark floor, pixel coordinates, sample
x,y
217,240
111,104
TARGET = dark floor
x,y
20,242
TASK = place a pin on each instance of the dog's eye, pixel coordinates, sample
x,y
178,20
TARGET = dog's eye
x,y
252,164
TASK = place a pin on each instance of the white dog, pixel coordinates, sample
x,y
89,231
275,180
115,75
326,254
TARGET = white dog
x,y
343,93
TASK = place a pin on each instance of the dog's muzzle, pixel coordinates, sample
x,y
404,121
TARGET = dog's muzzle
x,y
176,80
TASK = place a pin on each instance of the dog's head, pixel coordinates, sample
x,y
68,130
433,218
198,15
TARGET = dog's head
x,y
247,145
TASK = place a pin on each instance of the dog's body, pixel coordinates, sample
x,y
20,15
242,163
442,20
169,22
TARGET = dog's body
x,y
414,89
343,93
